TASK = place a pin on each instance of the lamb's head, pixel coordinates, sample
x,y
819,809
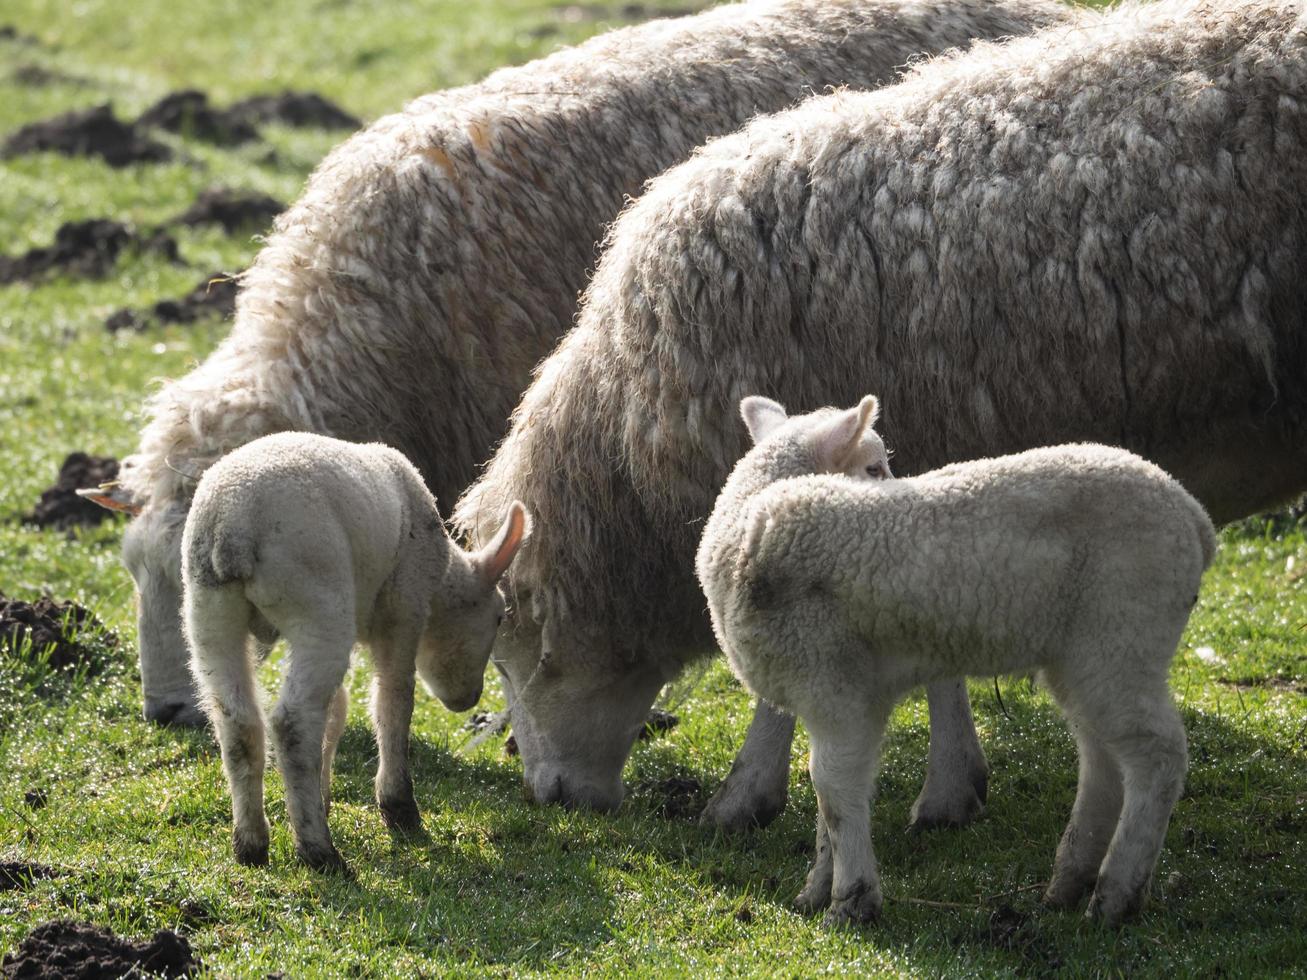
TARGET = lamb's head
x,y
825,441
152,550
466,613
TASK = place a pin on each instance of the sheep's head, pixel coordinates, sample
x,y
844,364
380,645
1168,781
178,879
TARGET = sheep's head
x,y
465,616
835,441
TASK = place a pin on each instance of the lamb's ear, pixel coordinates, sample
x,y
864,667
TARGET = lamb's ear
x,y
493,560
842,436
111,496
761,415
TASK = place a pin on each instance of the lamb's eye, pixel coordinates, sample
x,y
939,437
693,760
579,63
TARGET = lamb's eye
x,y
875,471
499,620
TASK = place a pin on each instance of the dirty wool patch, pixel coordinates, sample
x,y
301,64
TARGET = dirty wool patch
x,y
60,507
57,625
86,952
87,132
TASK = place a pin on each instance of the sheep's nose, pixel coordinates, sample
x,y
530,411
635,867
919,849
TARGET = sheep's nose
x,y
173,713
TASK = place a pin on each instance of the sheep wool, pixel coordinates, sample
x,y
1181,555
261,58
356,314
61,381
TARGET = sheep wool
x,y
833,597
436,256
1095,233
326,542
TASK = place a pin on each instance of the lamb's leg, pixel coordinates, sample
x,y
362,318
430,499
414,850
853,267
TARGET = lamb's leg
x,y
319,660
1089,831
957,775
845,754
337,715
754,792
394,656
816,890
1147,739
220,661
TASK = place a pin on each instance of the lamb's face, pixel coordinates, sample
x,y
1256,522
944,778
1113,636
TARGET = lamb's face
x,y
152,553
457,644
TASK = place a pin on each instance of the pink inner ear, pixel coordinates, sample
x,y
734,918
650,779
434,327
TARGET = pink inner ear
x,y
109,502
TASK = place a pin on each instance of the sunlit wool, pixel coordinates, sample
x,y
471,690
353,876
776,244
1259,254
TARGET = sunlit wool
x,y
1093,234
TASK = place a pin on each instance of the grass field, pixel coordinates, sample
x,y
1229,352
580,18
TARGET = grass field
x,y
137,820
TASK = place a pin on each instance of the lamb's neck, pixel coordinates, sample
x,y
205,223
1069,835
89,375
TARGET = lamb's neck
x,y
758,470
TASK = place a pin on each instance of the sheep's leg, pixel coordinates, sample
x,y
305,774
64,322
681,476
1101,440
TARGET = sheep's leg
x,y
220,660
755,791
1147,738
337,715
816,890
319,660
957,774
845,755
1089,831
394,656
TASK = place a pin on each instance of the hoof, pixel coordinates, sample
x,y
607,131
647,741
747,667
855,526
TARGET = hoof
x,y
401,815
1067,889
324,859
253,853
735,808
812,899
936,811
860,908
1111,908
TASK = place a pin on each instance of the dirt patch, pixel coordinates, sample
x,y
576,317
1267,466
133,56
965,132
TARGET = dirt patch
x,y
38,76
85,248
36,798
20,875
231,209
8,32
1267,683
87,132
78,949
60,507
58,625
306,110
676,797
215,295
658,723
188,113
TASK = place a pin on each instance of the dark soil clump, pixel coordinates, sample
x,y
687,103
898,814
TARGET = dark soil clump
x,y
60,507
38,76
57,625
87,132
19,875
215,295
659,722
83,951
85,248
301,109
676,797
231,209
188,113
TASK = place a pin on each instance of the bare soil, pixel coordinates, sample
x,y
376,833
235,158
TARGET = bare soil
x,y
49,623
676,797
85,248
233,210
214,295
307,110
188,113
80,950
60,507
19,875
87,132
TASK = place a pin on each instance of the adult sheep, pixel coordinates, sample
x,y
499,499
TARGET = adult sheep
x,y
1098,233
436,256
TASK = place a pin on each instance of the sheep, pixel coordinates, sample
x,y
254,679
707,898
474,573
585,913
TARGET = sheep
x,y
327,542
437,255
1095,234
831,597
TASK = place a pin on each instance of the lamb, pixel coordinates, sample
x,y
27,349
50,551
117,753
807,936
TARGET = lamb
x,y
832,597
436,256
1092,234
323,542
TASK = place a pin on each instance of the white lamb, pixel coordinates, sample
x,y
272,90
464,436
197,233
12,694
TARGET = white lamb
x,y
328,542
833,597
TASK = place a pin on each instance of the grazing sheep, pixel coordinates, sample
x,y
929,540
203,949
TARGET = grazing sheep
x,y
436,256
327,542
832,598
1094,234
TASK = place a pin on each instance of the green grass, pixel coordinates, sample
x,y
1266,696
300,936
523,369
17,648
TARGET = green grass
x,y
137,820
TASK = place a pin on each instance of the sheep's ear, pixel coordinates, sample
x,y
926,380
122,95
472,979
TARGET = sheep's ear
x,y
761,415
111,496
842,438
493,560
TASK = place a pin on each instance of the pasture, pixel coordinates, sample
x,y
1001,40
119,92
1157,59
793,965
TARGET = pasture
x,y
133,821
